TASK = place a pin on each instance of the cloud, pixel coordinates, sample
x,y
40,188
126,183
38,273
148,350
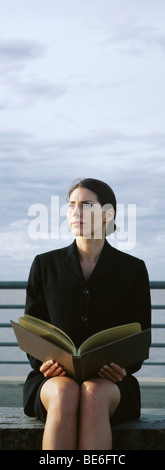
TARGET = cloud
x,y
33,170
134,38
20,50
73,104
13,144
20,91
30,92
16,54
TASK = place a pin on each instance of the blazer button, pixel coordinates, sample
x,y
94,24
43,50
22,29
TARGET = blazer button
x,y
85,291
83,318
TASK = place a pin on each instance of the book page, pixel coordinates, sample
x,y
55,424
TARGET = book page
x,y
109,335
48,331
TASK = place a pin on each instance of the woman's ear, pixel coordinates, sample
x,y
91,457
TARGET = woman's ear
x,y
110,215
108,221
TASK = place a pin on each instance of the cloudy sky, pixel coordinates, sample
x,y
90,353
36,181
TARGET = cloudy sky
x,y
82,95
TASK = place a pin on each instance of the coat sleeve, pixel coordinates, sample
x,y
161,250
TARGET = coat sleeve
x,y
140,302
35,300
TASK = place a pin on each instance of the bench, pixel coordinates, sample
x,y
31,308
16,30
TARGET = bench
x,y
18,432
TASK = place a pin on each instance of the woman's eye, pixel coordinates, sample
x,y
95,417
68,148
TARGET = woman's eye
x,y
88,204
84,205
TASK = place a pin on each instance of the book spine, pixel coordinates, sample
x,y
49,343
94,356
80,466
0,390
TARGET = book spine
x,y
78,373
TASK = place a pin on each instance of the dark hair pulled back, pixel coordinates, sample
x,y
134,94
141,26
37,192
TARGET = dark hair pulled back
x,y
104,193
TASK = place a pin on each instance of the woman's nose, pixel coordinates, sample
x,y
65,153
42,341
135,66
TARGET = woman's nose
x,y
76,210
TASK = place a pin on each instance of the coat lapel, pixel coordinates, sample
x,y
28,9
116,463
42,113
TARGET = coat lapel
x,y
71,263
104,264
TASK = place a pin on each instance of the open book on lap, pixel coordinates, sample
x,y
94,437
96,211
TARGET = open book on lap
x,y
125,345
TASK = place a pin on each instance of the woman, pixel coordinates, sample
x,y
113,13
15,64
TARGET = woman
x,y
86,287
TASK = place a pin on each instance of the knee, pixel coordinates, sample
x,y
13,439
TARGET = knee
x,y
91,393
68,399
69,394
62,394
100,395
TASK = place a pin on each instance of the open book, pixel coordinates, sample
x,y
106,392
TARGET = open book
x,y
125,345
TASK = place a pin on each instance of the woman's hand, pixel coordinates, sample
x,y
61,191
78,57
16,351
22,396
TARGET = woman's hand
x,y
52,369
112,372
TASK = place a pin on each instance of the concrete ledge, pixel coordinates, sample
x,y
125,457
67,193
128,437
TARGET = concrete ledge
x,y
147,433
18,432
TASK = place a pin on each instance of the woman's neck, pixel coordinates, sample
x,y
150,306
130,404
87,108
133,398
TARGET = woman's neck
x,y
89,249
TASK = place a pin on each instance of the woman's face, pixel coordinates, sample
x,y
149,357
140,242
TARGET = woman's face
x,y
85,215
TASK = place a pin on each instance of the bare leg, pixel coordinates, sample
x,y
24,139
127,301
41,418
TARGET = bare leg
x,y
60,396
99,400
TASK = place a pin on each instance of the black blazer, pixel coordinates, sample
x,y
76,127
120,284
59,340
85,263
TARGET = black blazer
x,y
117,292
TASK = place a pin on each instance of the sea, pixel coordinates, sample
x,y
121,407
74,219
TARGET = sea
x,y
20,371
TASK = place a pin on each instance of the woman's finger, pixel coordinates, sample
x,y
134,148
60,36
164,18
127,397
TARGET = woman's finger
x,y
52,369
119,370
107,373
45,366
112,372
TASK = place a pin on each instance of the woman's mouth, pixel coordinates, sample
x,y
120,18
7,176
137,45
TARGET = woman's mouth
x,y
77,223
